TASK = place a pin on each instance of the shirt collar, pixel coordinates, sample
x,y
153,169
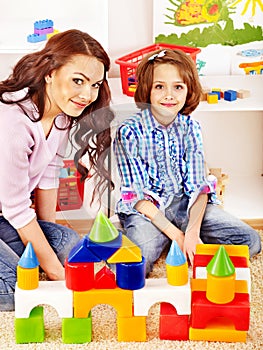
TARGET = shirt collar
x,y
151,124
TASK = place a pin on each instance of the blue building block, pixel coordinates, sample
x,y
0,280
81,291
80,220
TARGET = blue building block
x,y
42,24
175,255
35,38
131,275
88,251
218,94
28,259
81,252
230,95
105,249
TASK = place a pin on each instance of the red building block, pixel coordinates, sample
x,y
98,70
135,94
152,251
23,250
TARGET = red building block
x,y
105,279
204,311
79,276
171,325
203,260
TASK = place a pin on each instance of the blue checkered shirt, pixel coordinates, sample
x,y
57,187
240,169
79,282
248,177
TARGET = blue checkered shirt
x,y
159,163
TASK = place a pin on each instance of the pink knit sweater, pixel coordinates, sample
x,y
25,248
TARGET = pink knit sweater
x,y
27,160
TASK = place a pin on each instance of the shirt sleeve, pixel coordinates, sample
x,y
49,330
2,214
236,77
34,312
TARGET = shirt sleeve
x,y
195,179
16,144
134,176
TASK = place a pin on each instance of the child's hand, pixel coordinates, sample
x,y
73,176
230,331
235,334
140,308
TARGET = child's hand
x,y
190,242
180,238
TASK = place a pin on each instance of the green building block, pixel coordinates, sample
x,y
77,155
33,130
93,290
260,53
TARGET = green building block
x,y
77,330
31,329
103,229
221,265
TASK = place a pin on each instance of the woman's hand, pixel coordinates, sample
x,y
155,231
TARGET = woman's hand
x,y
47,258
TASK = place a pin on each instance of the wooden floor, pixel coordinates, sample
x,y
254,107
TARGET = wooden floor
x,y
83,226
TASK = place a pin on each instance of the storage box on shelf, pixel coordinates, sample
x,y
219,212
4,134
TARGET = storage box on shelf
x,y
129,63
71,189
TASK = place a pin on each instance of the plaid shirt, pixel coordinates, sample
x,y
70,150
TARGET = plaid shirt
x,y
159,163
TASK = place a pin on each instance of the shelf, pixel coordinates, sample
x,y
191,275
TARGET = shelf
x,y
253,83
244,197
17,21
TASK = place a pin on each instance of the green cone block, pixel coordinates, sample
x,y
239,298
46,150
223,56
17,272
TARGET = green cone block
x,y
103,230
221,265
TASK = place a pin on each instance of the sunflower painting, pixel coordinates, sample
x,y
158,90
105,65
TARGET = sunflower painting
x,y
207,24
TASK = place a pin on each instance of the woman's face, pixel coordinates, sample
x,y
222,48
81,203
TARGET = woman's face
x,y
74,86
168,93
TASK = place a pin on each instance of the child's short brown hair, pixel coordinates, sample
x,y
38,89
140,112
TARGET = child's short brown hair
x,y
187,70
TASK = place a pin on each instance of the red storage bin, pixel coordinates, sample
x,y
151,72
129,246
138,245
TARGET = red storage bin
x,y
71,190
129,63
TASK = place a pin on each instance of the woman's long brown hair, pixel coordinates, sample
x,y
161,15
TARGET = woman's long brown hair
x,y
92,127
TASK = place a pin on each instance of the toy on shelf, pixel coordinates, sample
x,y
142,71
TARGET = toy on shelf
x,y
222,181
71,189
212,96
214,307
43,30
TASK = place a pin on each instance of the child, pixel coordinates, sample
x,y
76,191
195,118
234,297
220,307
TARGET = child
x,y
48,92
164,190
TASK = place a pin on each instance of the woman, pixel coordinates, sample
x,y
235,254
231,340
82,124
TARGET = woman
x,y
48,93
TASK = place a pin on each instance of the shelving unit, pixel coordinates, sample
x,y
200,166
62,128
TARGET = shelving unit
x,y
233,139
17,22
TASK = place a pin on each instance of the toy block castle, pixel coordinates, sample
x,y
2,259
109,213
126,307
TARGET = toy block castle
x,y
214,305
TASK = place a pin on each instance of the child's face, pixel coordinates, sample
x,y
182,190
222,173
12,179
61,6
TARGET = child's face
x,y
168,93
74,86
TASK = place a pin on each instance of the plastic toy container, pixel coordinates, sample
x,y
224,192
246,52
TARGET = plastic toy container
x,y
71,190
129,63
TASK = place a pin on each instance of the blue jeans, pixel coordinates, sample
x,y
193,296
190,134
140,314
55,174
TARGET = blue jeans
x,y
218,227
61,238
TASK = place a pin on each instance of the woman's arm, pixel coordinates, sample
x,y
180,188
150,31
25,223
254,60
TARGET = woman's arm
x,y
45,207
45,254
45,204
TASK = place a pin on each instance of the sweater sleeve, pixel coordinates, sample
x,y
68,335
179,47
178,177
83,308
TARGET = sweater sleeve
x,y
16,144
57,146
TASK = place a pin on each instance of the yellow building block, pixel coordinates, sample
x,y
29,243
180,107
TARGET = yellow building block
x,y
220,329
212,97
199,284
232,250
220,290
27,279
128,252
120,299
49,35
177,275
131,328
